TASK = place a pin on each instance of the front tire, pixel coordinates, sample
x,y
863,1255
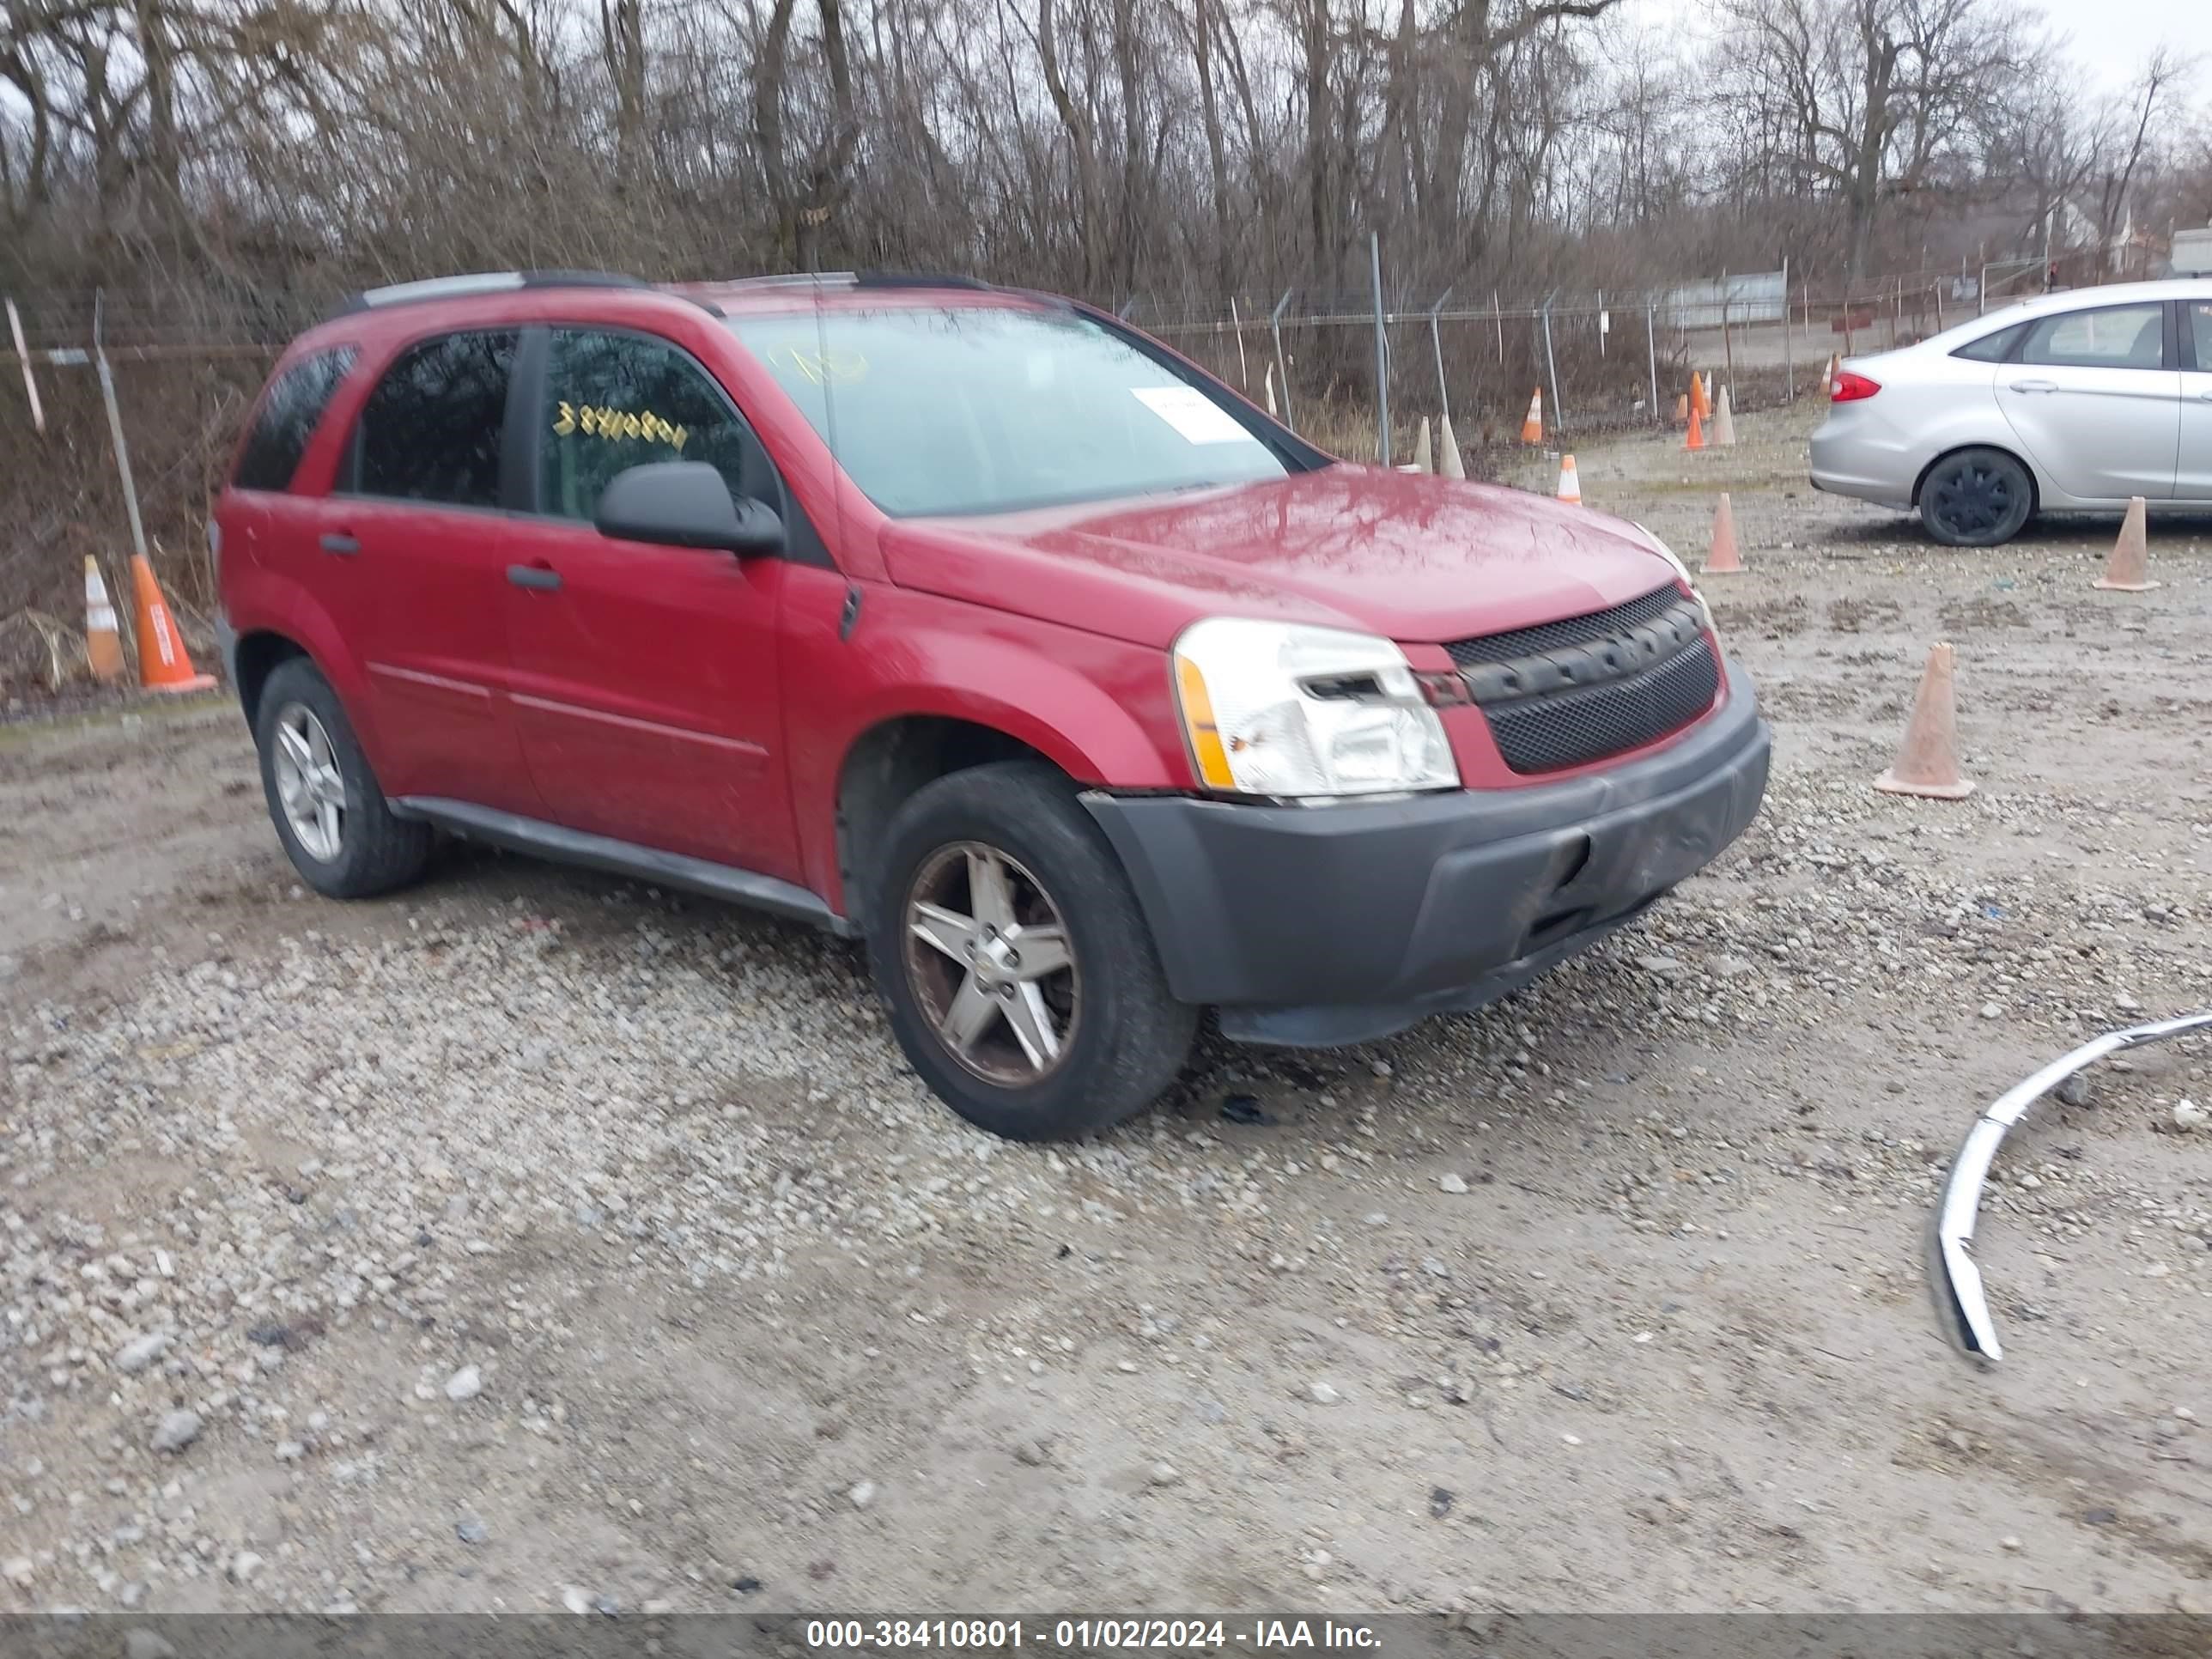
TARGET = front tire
x,y
1977,498
1021,976
328,812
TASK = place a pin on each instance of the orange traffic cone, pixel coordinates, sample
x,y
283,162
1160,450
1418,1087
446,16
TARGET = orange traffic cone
x,y
2128,570
1532,428
1571,485
1682,410
1696,438
1722,561
1701,402
103,645
1928,762
1828,374
164,665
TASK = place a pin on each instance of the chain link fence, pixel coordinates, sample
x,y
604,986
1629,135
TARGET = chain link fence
x,y
187,361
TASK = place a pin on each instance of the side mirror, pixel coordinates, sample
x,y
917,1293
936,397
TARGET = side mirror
x,y
685,504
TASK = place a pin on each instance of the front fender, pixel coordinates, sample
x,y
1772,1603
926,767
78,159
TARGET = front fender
x,y
1099,708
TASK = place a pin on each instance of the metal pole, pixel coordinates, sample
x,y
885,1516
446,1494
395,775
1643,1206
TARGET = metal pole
x,y
1789,357
1282,364
1244,368
1651,351
1382,354
1558,408
115,425
1437,344
1727,342
1982,299
1602,321
1498,313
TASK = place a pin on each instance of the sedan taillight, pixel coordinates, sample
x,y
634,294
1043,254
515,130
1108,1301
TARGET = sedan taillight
x,y
1851,387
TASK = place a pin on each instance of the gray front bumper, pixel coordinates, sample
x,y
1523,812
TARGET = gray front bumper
x,y
1321,926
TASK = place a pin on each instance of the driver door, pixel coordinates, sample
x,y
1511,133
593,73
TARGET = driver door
x,y
645,684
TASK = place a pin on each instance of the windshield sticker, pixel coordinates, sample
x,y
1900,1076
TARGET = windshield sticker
x,y
617,423
821,367
1192,414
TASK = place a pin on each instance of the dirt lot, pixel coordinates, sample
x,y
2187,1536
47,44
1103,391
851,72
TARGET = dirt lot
x,y
1610,1297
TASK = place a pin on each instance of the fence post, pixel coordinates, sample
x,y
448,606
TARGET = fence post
x,y
1558,408
1728,341
30,385
1437,344
115,424
1497,315
1244,368
1382,353
1789,357
1651,353
1282,363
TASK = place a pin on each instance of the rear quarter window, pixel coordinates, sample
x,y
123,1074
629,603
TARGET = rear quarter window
x,y
287,418
1991,348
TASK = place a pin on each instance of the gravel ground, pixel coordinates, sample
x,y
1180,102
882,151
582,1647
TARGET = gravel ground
x,y
534,1240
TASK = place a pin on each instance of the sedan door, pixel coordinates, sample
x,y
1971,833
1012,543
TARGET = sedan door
x,y
2193,481
646,677
2095,397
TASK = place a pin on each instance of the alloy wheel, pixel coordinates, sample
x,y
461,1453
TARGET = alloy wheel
x,y
309,785
990,961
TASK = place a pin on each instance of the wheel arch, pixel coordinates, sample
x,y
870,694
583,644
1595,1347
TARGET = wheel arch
x,y
891,759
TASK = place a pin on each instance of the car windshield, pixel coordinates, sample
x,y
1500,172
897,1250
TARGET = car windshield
x,y
936,410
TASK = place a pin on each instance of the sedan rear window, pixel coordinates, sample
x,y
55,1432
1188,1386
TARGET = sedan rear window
x,y
984,408
2110,336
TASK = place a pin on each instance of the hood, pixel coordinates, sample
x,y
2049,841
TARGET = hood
x,y
1414,558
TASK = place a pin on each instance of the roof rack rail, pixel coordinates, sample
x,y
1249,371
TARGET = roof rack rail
x,y
487,281
917,279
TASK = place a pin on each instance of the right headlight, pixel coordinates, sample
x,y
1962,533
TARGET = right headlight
x,y
1296,713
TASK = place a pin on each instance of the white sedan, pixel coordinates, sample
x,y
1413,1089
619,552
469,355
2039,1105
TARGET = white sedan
x,y
2071,402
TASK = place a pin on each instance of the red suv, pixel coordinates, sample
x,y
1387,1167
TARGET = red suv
x,y
974,624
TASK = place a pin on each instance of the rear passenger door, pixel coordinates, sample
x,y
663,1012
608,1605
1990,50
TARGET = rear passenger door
x,y
645,678
2193,481
415,529
2095,395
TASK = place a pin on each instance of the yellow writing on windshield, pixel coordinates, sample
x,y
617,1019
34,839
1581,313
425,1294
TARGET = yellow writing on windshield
x,y
821,367
617,423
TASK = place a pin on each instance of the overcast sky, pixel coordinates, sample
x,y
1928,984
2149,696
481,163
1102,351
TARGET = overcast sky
x,y
2110,38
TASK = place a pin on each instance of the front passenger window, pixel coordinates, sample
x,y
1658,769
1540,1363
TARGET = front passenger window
x,y
2112,337
615,401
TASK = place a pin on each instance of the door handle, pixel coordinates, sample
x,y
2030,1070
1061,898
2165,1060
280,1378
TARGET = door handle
x,y
2206,394
543,577
2035,386
344,546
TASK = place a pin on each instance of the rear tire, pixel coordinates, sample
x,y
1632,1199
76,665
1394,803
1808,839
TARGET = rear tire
x,y
328,812
973,869
1977,498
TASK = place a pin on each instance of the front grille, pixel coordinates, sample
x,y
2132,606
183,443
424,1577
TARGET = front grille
x,y
1551,732
1561,635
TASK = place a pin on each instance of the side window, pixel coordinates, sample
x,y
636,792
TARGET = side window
x,y
2197,313
2113,336
288,416
1991,348
431,430
614,401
